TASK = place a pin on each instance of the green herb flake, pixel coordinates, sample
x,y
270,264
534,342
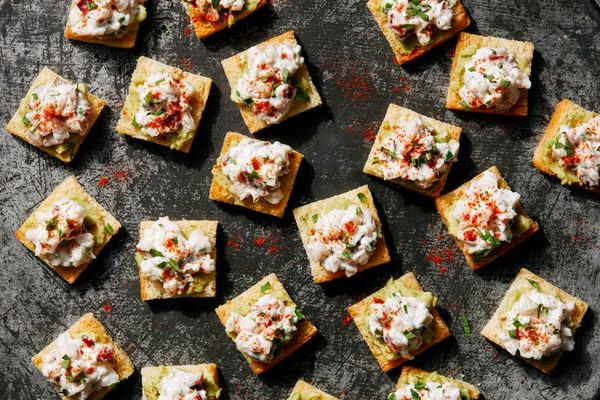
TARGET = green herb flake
x,y
26,121
35,96
155,253
466,326
301,95
265,287
108,229
512,333
472,69
409,335
299,313
449,156
66,361
533,283
465,105
414,394
135,124
405,308
315,218
249,101
359,211
173,264
420,385
505,83
362,197
285,75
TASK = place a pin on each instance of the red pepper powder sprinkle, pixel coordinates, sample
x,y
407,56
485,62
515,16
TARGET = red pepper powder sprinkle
x,y
443,270
273,249
259,241
107,308
347,320
103,181
121,175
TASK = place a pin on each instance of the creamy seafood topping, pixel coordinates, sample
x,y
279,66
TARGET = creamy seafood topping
x,y
182,385
268,326
265,86
343,239
536,325
213,10
427,391
485,212
56,110
169,257
492,78
61,236
399,321
165,105
418,17
578,148
414,152
105,17
77,367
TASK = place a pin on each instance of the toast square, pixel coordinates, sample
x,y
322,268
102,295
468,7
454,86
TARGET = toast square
x,y
412,375
151,377
90,326
152,290
493,328
234,68
219,187
205,28
303,215
144,68
386,358
303,390
242,304
396,115
465,48
566,113
445,206
127,41
66,151
102,224
408,50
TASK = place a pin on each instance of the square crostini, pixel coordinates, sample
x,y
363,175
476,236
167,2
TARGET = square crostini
x,y
21,126
244,303
305,391
364,212
208,20
204,377
203,284
397,118
521,225
110,26
491,69
189,93
306,95
96,221
567,116
527,282
408,48
407,286
58,357
416,379
220,188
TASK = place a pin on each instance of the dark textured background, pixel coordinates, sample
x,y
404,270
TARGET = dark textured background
x,y
352,66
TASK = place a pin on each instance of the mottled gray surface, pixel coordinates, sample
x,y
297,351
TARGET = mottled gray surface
x,y
353,69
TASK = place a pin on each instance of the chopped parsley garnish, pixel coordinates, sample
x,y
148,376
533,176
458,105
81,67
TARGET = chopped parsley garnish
x,y
315,218
472,69
174,240
409,335
265,287
35,96
285,75
66,362
362,197
488,237
405,308
376,160
465,105
513,333
567,146
358,211
135,123
389,153
26,121
108,229
420,385
299,313
519,324
249,101
91,6
505,83
121,20
466,326
155,253
448,156
414,394
173,264
346,253
533,283
52,223
215,3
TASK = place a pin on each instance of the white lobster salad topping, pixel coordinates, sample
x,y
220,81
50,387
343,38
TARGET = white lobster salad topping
x,y
182,385
254,169
419,17
535,326
77,367
56,110
61,236
212,10
579,148
427,391
266,85
170,258
105,17
399,321
268,326
343,239
165,105
414,152
492,78
485,213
